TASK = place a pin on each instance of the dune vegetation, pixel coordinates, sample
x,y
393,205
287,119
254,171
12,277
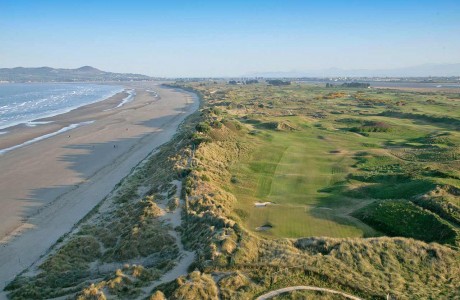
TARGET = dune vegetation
x,y
351,189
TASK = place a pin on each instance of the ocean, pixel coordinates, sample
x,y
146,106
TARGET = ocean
x,y
24,102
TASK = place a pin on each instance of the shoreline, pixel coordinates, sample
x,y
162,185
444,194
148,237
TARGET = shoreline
x,y
68,109
85,168
24,132
45,136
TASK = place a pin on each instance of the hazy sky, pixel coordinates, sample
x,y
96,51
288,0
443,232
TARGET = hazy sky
x,y
230,38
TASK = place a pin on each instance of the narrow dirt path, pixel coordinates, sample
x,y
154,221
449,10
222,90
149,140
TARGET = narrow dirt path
x,y
274,293
186,257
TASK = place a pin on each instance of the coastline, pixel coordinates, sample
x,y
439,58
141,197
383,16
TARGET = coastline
x,y
62,111
50,185
21,133
44,137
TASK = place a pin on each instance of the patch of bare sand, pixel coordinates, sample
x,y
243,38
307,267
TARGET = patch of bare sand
x,y
186,257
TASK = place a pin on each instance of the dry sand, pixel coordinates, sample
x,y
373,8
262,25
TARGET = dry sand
x,y
48,186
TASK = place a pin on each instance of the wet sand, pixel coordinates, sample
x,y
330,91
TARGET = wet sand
x,y
48,186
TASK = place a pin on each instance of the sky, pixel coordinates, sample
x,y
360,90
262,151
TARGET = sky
x,y
228,38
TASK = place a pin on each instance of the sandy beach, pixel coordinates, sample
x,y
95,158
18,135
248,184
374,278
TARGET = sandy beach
x,y
48,186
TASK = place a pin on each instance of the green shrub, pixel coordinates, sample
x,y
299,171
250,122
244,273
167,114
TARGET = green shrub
x,y
199,138
403,218
216,124
203,127
75,255
234,179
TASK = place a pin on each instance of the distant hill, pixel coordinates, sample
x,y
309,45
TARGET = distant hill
x,y
46,74
435,70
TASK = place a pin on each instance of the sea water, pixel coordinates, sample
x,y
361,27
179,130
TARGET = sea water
x,y
25,102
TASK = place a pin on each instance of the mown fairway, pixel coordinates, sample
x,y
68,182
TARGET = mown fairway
x,y
290,170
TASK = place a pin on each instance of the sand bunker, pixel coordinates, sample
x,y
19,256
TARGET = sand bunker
x,y
262,204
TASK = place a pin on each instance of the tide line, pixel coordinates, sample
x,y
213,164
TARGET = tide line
x,y
46,136
36,123
129,98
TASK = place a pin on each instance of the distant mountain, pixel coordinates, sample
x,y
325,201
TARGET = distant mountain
x,y
46,74
435,70
88,69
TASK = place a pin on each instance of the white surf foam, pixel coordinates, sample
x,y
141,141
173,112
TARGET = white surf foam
x,y
35,123
23,103
129,98
155,94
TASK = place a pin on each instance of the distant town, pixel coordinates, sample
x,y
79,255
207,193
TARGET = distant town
x,y
91,74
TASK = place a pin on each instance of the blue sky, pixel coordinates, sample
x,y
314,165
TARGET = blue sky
x,y
228,38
